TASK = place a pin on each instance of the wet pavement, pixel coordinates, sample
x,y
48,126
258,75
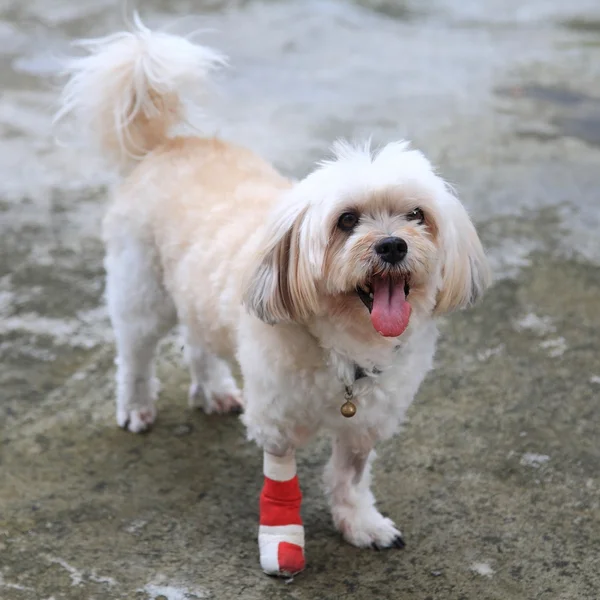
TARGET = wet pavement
x,y
494,480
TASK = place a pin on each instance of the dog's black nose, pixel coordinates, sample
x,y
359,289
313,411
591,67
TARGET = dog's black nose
x,y
391,249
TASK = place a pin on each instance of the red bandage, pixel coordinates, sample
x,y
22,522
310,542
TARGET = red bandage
x,y
281,534
290,558
280,502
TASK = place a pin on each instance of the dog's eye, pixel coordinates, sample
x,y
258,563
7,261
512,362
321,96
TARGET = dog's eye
x,y
416,215
348,221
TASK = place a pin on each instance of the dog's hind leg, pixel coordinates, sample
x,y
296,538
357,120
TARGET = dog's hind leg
x,y
213,386
141,312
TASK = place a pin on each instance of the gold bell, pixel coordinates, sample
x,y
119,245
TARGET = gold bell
x,y
348,409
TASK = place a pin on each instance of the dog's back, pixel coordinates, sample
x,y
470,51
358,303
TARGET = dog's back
x,y
182,224
198,205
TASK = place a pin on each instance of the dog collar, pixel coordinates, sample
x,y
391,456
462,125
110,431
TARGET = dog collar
x,y
361,372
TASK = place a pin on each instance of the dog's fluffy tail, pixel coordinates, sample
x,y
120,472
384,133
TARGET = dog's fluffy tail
x,y
133,87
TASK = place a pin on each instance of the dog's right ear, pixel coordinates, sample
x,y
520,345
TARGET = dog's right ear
x,y
282,286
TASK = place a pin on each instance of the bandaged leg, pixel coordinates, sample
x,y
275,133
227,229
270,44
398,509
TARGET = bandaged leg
x,y
281,534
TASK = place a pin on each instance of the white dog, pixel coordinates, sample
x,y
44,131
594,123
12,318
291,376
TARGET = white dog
x,y
324,290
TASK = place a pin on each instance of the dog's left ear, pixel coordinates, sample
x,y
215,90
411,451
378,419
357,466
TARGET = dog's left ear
x,y
465,270
282,287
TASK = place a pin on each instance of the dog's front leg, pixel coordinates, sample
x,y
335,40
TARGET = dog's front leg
x,y
347,482
281,533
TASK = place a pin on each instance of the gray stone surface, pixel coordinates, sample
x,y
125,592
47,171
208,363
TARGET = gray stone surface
x,y
495,477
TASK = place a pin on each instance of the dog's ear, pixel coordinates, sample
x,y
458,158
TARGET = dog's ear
x,y
465,273
282,287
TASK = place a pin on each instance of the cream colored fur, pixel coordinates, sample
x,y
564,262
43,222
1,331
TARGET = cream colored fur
x,y
206,233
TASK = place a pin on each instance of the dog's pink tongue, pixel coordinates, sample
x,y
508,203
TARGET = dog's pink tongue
x,y
391,311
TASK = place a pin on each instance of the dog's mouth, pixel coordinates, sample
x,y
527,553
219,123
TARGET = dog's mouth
x,y
386,300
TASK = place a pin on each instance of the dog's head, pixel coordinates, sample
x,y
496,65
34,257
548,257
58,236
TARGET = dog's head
x,y
375,229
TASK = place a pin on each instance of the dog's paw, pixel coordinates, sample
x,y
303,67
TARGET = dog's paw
x,y
229,400
281,550
224,403
367,529
136,420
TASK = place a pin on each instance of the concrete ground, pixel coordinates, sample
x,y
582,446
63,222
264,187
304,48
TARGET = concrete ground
x,y
494,480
